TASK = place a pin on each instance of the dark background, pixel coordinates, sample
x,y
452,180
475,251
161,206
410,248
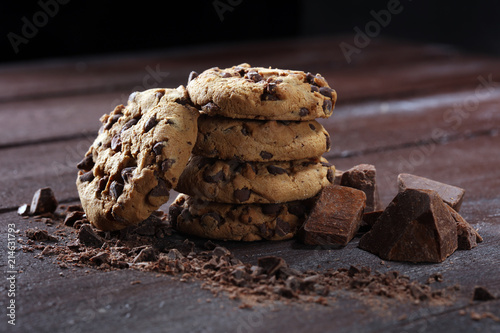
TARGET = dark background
x,y
103,27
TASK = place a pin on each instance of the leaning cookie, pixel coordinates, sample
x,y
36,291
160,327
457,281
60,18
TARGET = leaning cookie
x,y
235,181
260,140
237,222
262,93
137,157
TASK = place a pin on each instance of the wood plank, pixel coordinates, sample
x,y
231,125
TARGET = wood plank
x,y
432,67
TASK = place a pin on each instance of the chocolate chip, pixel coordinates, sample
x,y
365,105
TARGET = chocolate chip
x,y
270,209
182,101
310,78
162,189
303,112
241,70
127,174
244,131
128,124
214,178
266,155
226,75
102,183
314,89
210,107
167,164
274,170
330,176
157,148
327,106
326,91
86,164
87,176
254,76
116,143
328,143
112,120
150,124
311,126
282,227
242,195
116,189
193,75
268,97
159,94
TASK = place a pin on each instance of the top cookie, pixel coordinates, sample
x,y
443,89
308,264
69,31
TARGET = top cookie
x,y
137,157
262,93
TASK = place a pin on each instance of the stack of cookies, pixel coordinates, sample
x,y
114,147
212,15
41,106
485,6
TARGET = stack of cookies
x,y
256,164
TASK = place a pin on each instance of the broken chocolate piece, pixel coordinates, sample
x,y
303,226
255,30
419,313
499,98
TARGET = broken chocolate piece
x,y
40,235
452,195
415,227
146,254
362,177
43,201
24,210
468,237
86,163
270,264
72,217
88,237
482,294
338,177
369,220
242,195
335,217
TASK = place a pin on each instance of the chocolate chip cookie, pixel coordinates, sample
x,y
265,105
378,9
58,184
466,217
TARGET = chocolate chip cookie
x,y
259,140
236,181
262,93
137,157
237,222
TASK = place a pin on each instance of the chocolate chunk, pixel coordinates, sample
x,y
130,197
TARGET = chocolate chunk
x,y
328,143
326,91
72,217
338,177
225,75
40,235
162,189
303,112
266,155
158,147
183,101
274,170
468,237
369,220
271,264
116,143
116,189
128,125
241,70
102,183
193,75
150,124
311,126
310,78
127,174
271,209
327,106
210,107
268,97
242,195
254,76
100,258
330,176
167,164
363,177
146,254
297,209
88,237
314,89
86,163
44,201
416,227
112,120
24,210
482,294
452,195
335,218
87,177
282,227
214,178
160,94
173,212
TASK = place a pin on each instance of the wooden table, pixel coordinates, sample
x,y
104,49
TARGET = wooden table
x,y
404,107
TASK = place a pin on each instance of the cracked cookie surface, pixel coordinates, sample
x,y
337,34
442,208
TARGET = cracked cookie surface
x,y
238,182
260,140
262,93
237,222
137,157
